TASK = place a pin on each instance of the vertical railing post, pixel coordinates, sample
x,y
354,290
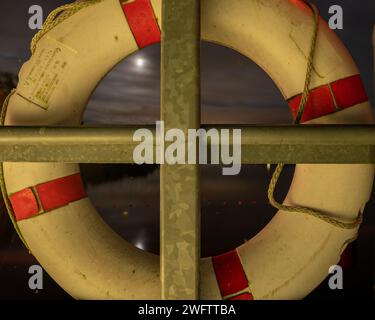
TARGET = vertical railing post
x,y
179,184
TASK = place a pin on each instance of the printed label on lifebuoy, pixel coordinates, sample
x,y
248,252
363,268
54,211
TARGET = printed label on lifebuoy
x,y
51,63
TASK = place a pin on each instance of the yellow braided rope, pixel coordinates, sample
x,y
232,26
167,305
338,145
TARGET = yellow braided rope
x,y
59,15
309,211
276,175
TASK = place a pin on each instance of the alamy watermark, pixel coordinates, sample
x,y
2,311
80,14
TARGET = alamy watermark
x,y
36,280
36,18
177,147
336,280
336,20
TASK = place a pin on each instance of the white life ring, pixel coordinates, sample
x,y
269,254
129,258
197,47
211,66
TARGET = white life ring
x,y
286,260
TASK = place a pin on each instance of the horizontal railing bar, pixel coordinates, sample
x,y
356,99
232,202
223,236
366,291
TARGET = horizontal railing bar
x,y
260,144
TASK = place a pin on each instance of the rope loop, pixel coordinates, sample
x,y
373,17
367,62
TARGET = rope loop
x,y
276,175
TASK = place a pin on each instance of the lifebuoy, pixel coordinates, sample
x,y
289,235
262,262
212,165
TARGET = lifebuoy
x,y
287,259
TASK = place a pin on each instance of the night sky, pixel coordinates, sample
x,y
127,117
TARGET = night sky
x,y
234,91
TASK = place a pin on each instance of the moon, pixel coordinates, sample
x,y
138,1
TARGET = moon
x,y
139,62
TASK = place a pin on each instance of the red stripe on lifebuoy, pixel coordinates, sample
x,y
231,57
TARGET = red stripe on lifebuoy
x,y
60,192
231,277
142,22
51,195
244,296
24,204
330,98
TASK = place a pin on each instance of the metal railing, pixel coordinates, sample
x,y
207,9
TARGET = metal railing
x,y
260,144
